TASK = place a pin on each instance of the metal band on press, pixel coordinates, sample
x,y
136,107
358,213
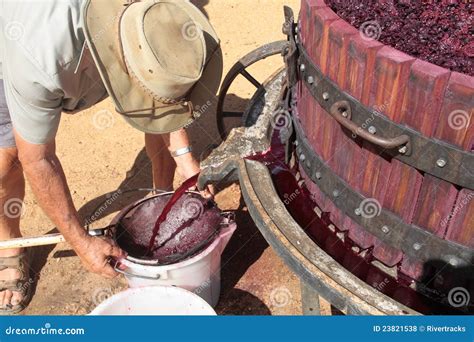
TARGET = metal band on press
x,y
388,227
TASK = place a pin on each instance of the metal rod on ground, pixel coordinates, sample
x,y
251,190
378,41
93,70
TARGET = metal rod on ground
x,y
46,240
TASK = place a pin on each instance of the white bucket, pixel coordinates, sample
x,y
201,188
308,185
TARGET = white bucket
x,y
155,301
200,274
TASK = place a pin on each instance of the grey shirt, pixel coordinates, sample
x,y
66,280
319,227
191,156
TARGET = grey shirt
x,y
47,69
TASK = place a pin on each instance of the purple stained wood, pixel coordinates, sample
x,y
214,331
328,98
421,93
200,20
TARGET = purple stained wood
x,y
422,101
461,222
432,100
456,124
340,35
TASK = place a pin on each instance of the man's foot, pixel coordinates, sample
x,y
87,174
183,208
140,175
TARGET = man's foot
x,y
14,281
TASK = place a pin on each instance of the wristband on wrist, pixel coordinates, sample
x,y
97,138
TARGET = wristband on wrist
x,y
182,151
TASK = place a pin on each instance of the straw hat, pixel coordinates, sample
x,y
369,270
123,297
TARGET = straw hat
x,y
158,59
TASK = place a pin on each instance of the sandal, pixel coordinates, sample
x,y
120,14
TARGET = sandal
x,y
22,285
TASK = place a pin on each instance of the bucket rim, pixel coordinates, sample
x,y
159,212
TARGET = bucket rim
x,y
130,291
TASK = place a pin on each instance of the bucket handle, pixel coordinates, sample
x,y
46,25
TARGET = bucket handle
x,y
134,275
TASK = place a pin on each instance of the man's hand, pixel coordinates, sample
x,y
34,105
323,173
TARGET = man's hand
x,y
47,179
96,253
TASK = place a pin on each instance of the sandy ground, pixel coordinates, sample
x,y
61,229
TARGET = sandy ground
x,y
101,153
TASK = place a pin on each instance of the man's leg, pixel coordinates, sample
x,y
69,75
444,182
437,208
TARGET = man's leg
x,y
12,191
163,164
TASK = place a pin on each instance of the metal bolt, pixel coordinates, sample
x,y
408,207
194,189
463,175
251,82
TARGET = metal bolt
x,y
308,164
441,162
319,175
385,229
453,262
416,246
344,114
302,68
358,212
325,96
403,150
372,130
297,29
302,157
336,193
296,143
310,79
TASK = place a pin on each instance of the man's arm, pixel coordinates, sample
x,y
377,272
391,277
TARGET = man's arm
x,y
46,177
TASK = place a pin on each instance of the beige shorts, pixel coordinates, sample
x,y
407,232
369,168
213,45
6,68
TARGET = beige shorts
x,y
6,128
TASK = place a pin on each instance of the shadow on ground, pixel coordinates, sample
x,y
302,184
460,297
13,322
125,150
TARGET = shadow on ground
x,y
244,249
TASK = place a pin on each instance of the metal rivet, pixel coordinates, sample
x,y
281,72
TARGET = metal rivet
x,y
308,164
441,162
403,150
325,96
416,246
302,157
372,130
344,114
336,193
385,229
453,262
310,79
358,212
319,175
302,68
297,29
296,143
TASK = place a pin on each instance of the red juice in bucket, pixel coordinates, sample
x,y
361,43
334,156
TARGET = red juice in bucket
x,y
176,196
175,226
